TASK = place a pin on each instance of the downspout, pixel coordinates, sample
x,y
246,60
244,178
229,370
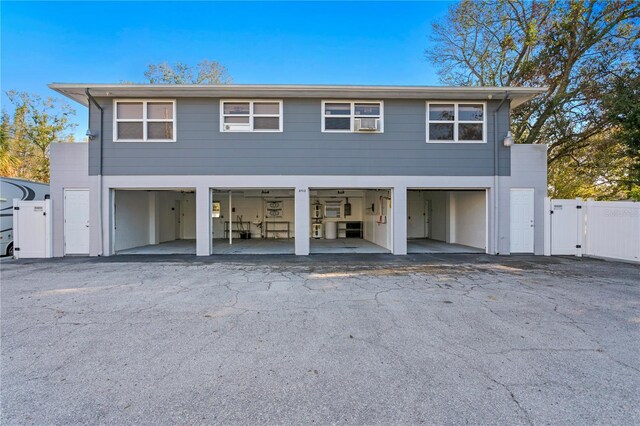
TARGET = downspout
x,y
496,166
230,220
92,100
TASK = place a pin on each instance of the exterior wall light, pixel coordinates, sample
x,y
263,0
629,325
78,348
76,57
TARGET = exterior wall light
x,y
508,140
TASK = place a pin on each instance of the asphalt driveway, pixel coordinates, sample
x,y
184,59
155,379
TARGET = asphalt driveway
x,y
349,339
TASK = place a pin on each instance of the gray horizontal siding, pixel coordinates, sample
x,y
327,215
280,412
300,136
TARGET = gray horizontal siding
x,y
301,149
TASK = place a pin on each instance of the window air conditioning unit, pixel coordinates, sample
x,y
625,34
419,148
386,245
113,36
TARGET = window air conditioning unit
x,y
367,124
237,127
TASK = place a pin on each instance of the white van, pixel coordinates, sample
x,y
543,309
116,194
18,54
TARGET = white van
x,y
21,189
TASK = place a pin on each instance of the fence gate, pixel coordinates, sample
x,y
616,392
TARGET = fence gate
x,y
566,233
31,229
606,229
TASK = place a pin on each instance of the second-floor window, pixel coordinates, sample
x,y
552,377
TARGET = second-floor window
x,y
456,122
144,121
250,116
352,116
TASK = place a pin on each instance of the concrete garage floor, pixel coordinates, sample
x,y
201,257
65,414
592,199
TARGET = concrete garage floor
x,y
170,247
254,246
321,339
287,246
345,245
426,245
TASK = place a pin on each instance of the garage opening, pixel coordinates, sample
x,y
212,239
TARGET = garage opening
x,y
154,221
446,221
253,221
350,221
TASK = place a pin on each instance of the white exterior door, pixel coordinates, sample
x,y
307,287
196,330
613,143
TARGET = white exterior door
x,y
76,221
522,223
415,215
427,219
178,219
564,227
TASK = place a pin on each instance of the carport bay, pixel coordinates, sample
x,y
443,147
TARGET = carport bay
x,y
252,221
153,221
263,221
447,220
297,203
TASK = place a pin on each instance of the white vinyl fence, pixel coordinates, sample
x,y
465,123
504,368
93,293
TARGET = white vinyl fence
x,y
607,229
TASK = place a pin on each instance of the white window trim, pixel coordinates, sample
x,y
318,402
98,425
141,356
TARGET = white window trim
x,y
456,121
251,115
352,116
144,120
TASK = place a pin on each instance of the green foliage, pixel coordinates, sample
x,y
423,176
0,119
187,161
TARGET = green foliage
x,y
26,137
579,49
599,170
623,107
7,162
206,72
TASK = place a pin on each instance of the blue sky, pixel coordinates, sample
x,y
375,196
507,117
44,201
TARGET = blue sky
x,y
278,43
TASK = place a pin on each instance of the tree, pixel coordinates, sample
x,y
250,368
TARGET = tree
x,y
7,162
623,107
599,170
206,72
575,48
28,135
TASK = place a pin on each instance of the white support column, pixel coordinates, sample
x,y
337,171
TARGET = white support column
x,y
154,217
203,221
108,221
96,244
492,224
451,218
230,218
399,219
302,219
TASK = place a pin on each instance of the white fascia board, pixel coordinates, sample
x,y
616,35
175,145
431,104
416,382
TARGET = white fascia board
x,y
76,91
316,182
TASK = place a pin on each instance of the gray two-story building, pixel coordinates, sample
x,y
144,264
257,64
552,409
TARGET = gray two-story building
x,y
301,169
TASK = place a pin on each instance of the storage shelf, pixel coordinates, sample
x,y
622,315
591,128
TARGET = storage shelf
x,y
276,228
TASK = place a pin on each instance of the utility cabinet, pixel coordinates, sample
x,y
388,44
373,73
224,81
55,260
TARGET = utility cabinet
x,y
31,229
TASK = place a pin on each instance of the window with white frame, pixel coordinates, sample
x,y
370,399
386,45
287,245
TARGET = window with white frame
x,y
251,116
456,122
144,121
352,116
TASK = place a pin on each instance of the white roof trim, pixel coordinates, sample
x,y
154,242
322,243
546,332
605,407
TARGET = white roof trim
x,y
76,91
